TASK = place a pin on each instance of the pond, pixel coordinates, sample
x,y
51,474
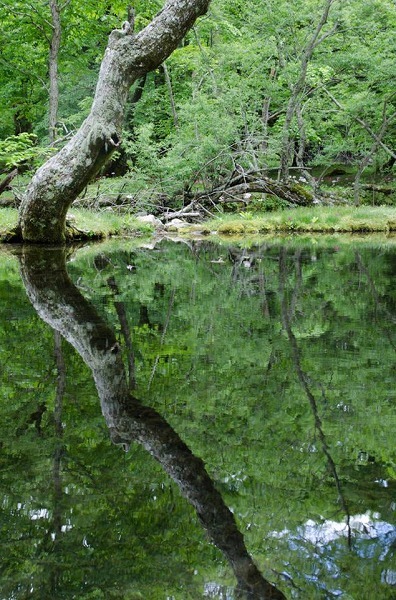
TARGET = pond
x,y
198,420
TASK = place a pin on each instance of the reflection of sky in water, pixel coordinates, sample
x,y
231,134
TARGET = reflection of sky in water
x,y
371,538
219,592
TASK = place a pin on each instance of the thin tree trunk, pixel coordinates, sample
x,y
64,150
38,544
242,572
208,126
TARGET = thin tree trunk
x,y
42,216
302,143
298,88
265,113
53,69
302,137
168,82
365,125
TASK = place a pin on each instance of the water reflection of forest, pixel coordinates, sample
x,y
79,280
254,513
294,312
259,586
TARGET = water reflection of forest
x,y
252,358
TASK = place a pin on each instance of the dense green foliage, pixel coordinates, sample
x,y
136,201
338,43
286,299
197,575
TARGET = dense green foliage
x,y
213,354
220,103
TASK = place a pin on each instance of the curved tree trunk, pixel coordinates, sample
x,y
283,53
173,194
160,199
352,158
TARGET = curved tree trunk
x,y
58,182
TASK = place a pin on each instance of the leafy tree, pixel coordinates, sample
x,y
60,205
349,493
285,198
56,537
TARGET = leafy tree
x,y
128,57
244,98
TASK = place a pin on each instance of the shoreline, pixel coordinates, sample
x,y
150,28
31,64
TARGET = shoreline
x,y
318,220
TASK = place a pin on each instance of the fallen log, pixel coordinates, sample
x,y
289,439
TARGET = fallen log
x,y
381,189
188,211
238,188
181,213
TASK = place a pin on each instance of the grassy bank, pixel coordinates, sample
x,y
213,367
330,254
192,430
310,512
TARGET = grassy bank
x,y
318,219
90,224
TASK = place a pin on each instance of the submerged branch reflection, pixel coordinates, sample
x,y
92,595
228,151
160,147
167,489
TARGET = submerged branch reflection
x,y
60,304
287,310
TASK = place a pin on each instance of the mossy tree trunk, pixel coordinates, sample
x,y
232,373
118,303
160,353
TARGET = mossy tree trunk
x,y
42,216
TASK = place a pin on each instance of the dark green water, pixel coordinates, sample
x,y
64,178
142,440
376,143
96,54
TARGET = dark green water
x,y
275,365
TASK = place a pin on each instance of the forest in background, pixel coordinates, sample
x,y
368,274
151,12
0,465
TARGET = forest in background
x,y
257,89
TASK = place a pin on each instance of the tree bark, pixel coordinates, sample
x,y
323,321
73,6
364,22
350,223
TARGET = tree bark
x,y
58,182
53,69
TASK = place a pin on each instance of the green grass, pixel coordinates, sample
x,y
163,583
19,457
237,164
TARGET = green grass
x,y
318,219
99,224
8,219
108,223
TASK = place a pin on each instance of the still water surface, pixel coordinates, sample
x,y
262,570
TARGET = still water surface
x,y
211,403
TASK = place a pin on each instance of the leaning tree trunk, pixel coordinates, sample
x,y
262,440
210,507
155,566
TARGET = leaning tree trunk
x,y
58,182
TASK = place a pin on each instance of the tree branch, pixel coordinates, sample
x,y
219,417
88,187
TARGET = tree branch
x,y
363,123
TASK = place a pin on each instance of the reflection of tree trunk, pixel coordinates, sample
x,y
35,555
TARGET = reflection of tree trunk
x,y
58,454
60,304
298,284
166,325
364,271
126,333
50,584
304,381
263,292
